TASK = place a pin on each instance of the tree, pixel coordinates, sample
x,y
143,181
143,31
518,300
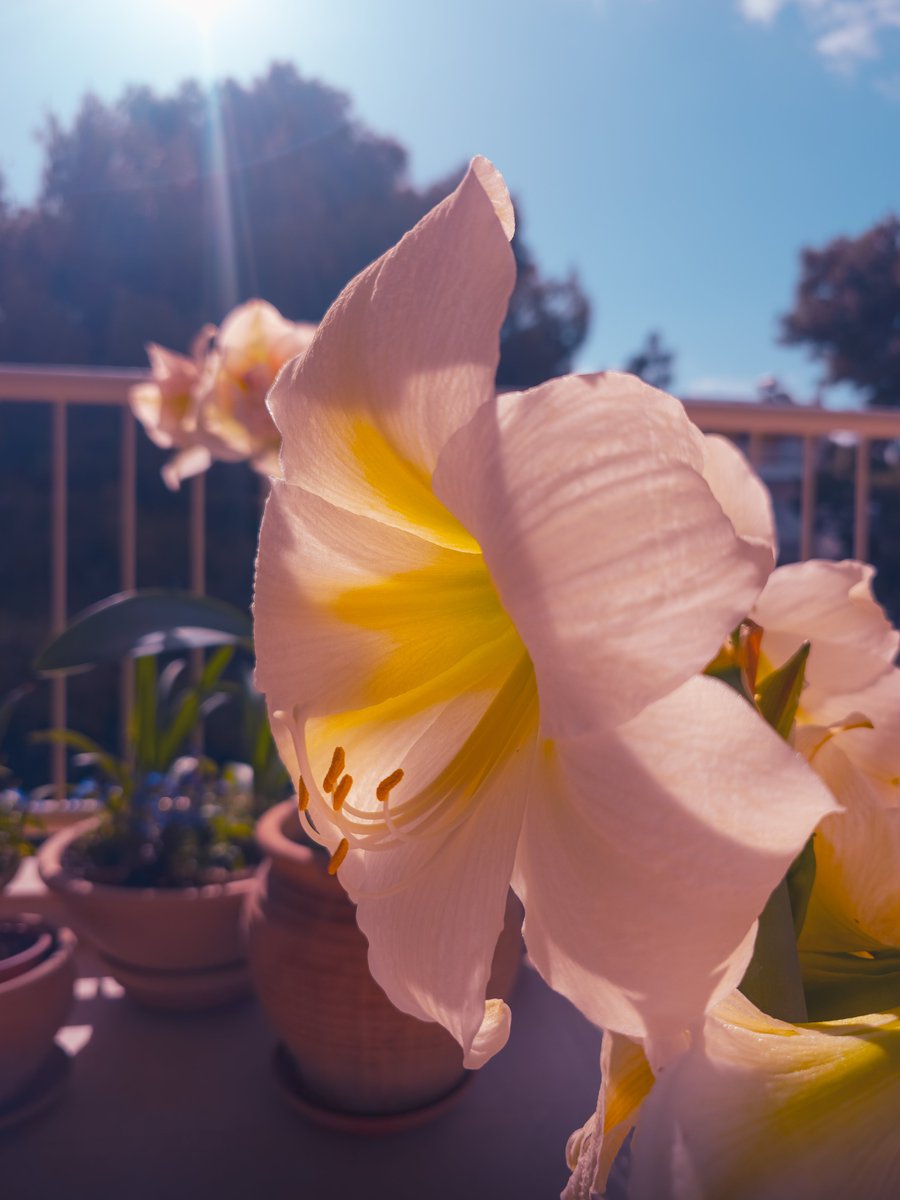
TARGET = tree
x,y
159,213
654,362
847,311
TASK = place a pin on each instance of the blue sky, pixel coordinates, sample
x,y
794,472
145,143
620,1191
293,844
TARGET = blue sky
x,y
677,153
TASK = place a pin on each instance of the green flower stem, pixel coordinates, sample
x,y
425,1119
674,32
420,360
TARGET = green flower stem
x,y
773,980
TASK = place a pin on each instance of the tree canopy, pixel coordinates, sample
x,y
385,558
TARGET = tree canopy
x,y
159,213
847,311
654,362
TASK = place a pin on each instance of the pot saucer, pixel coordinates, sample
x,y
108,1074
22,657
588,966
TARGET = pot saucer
x,y
44,1090
297,1093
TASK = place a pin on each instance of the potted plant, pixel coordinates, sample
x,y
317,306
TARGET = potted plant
x,y
156,882
346,1056
37,972
15,816
13,843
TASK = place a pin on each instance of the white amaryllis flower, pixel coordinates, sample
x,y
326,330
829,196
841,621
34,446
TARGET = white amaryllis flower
x,y
830,605
479,623
211,406
848,728
252,345
756,1108
167,405
850,942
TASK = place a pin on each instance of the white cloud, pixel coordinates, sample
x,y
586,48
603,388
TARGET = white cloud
x,y
847,32
761,10
720,387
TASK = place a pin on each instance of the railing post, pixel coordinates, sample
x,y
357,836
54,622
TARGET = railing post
x,y
861,501
198,577
755,449
127,557
808,498
58,580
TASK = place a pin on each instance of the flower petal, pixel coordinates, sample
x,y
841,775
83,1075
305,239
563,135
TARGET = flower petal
x,y
648,852
855,901
431,943
625,1081
350,612
784,1112
829,604
742,495
876,751
193,460
403,358
616,563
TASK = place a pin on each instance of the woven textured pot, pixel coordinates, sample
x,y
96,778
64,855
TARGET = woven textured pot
x,y
33,1005
172,948
353,1051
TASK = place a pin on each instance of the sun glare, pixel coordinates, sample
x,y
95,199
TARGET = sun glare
x,y
205,12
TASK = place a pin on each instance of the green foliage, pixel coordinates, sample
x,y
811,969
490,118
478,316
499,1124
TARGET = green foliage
x,y
142,623
654,362
163,718
15,821
778,695
847,310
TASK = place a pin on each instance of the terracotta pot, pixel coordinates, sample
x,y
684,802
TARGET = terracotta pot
x,y
34,945
33,1005
352,1050
9,864
173,948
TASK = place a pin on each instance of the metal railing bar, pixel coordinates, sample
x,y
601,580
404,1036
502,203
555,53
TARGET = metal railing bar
x,y
862,487
808,497
127,554
198,577
58,580
68,385
723,416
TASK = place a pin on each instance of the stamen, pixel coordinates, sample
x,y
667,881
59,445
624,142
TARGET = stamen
x,y
338,857
341,791
335,770
302,795
383,790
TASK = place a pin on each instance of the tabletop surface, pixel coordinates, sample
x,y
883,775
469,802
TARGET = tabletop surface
x,y
177,1107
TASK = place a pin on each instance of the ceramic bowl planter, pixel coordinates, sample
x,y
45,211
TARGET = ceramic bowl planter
x,y
37,973
172,948
347,1056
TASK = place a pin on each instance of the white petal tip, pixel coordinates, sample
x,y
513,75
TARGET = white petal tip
x,y
491,1037
496,191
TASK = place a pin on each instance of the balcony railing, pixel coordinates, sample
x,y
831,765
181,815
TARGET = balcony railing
x,y
60,388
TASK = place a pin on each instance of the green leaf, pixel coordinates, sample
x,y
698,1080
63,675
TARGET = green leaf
x,y
800,879
840,985
184,722
108,763
779,693
144,732
772,979
136,624
212,671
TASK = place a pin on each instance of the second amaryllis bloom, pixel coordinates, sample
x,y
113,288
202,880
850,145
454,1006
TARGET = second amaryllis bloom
x,y
480,622
211,406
